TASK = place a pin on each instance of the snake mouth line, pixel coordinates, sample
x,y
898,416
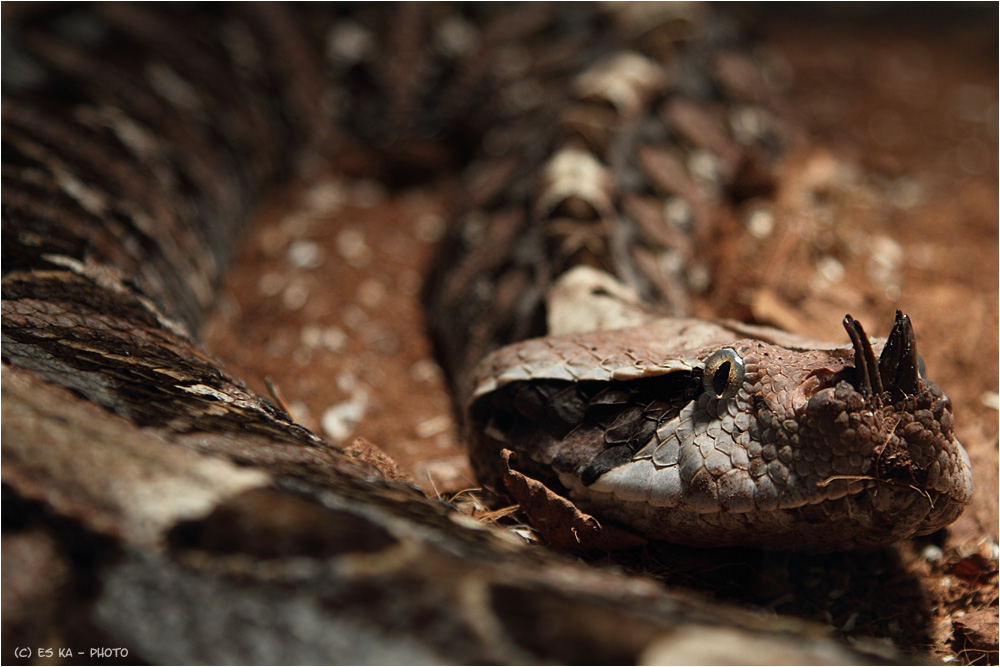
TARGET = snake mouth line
x,y
856,489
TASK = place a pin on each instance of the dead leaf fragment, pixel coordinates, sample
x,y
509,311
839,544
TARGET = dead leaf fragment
x,y
558,520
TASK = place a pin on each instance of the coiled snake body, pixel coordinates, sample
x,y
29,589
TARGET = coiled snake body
x,y
134,142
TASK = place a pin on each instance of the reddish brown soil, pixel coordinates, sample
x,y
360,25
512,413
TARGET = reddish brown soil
x,y
341,321
324,301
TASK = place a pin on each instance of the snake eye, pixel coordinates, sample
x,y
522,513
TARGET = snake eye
x,y
723,373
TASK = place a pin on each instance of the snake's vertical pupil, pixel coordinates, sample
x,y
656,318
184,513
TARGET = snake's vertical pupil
x,y
723,373
720,381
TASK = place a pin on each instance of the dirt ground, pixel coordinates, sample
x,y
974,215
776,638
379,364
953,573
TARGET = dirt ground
x,y
893,205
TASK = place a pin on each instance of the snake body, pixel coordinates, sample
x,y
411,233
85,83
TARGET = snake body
x,y
607,140
664,117
810,445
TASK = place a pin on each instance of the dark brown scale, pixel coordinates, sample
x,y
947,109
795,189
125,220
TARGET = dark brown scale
x,y
587,427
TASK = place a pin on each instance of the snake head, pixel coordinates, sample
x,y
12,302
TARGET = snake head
x,y
881,426
716,435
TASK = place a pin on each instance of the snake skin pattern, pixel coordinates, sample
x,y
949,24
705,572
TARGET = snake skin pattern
x,y
812,446
617,156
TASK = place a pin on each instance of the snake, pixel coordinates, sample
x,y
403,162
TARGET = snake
x,y
715,435
696,432
600,145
